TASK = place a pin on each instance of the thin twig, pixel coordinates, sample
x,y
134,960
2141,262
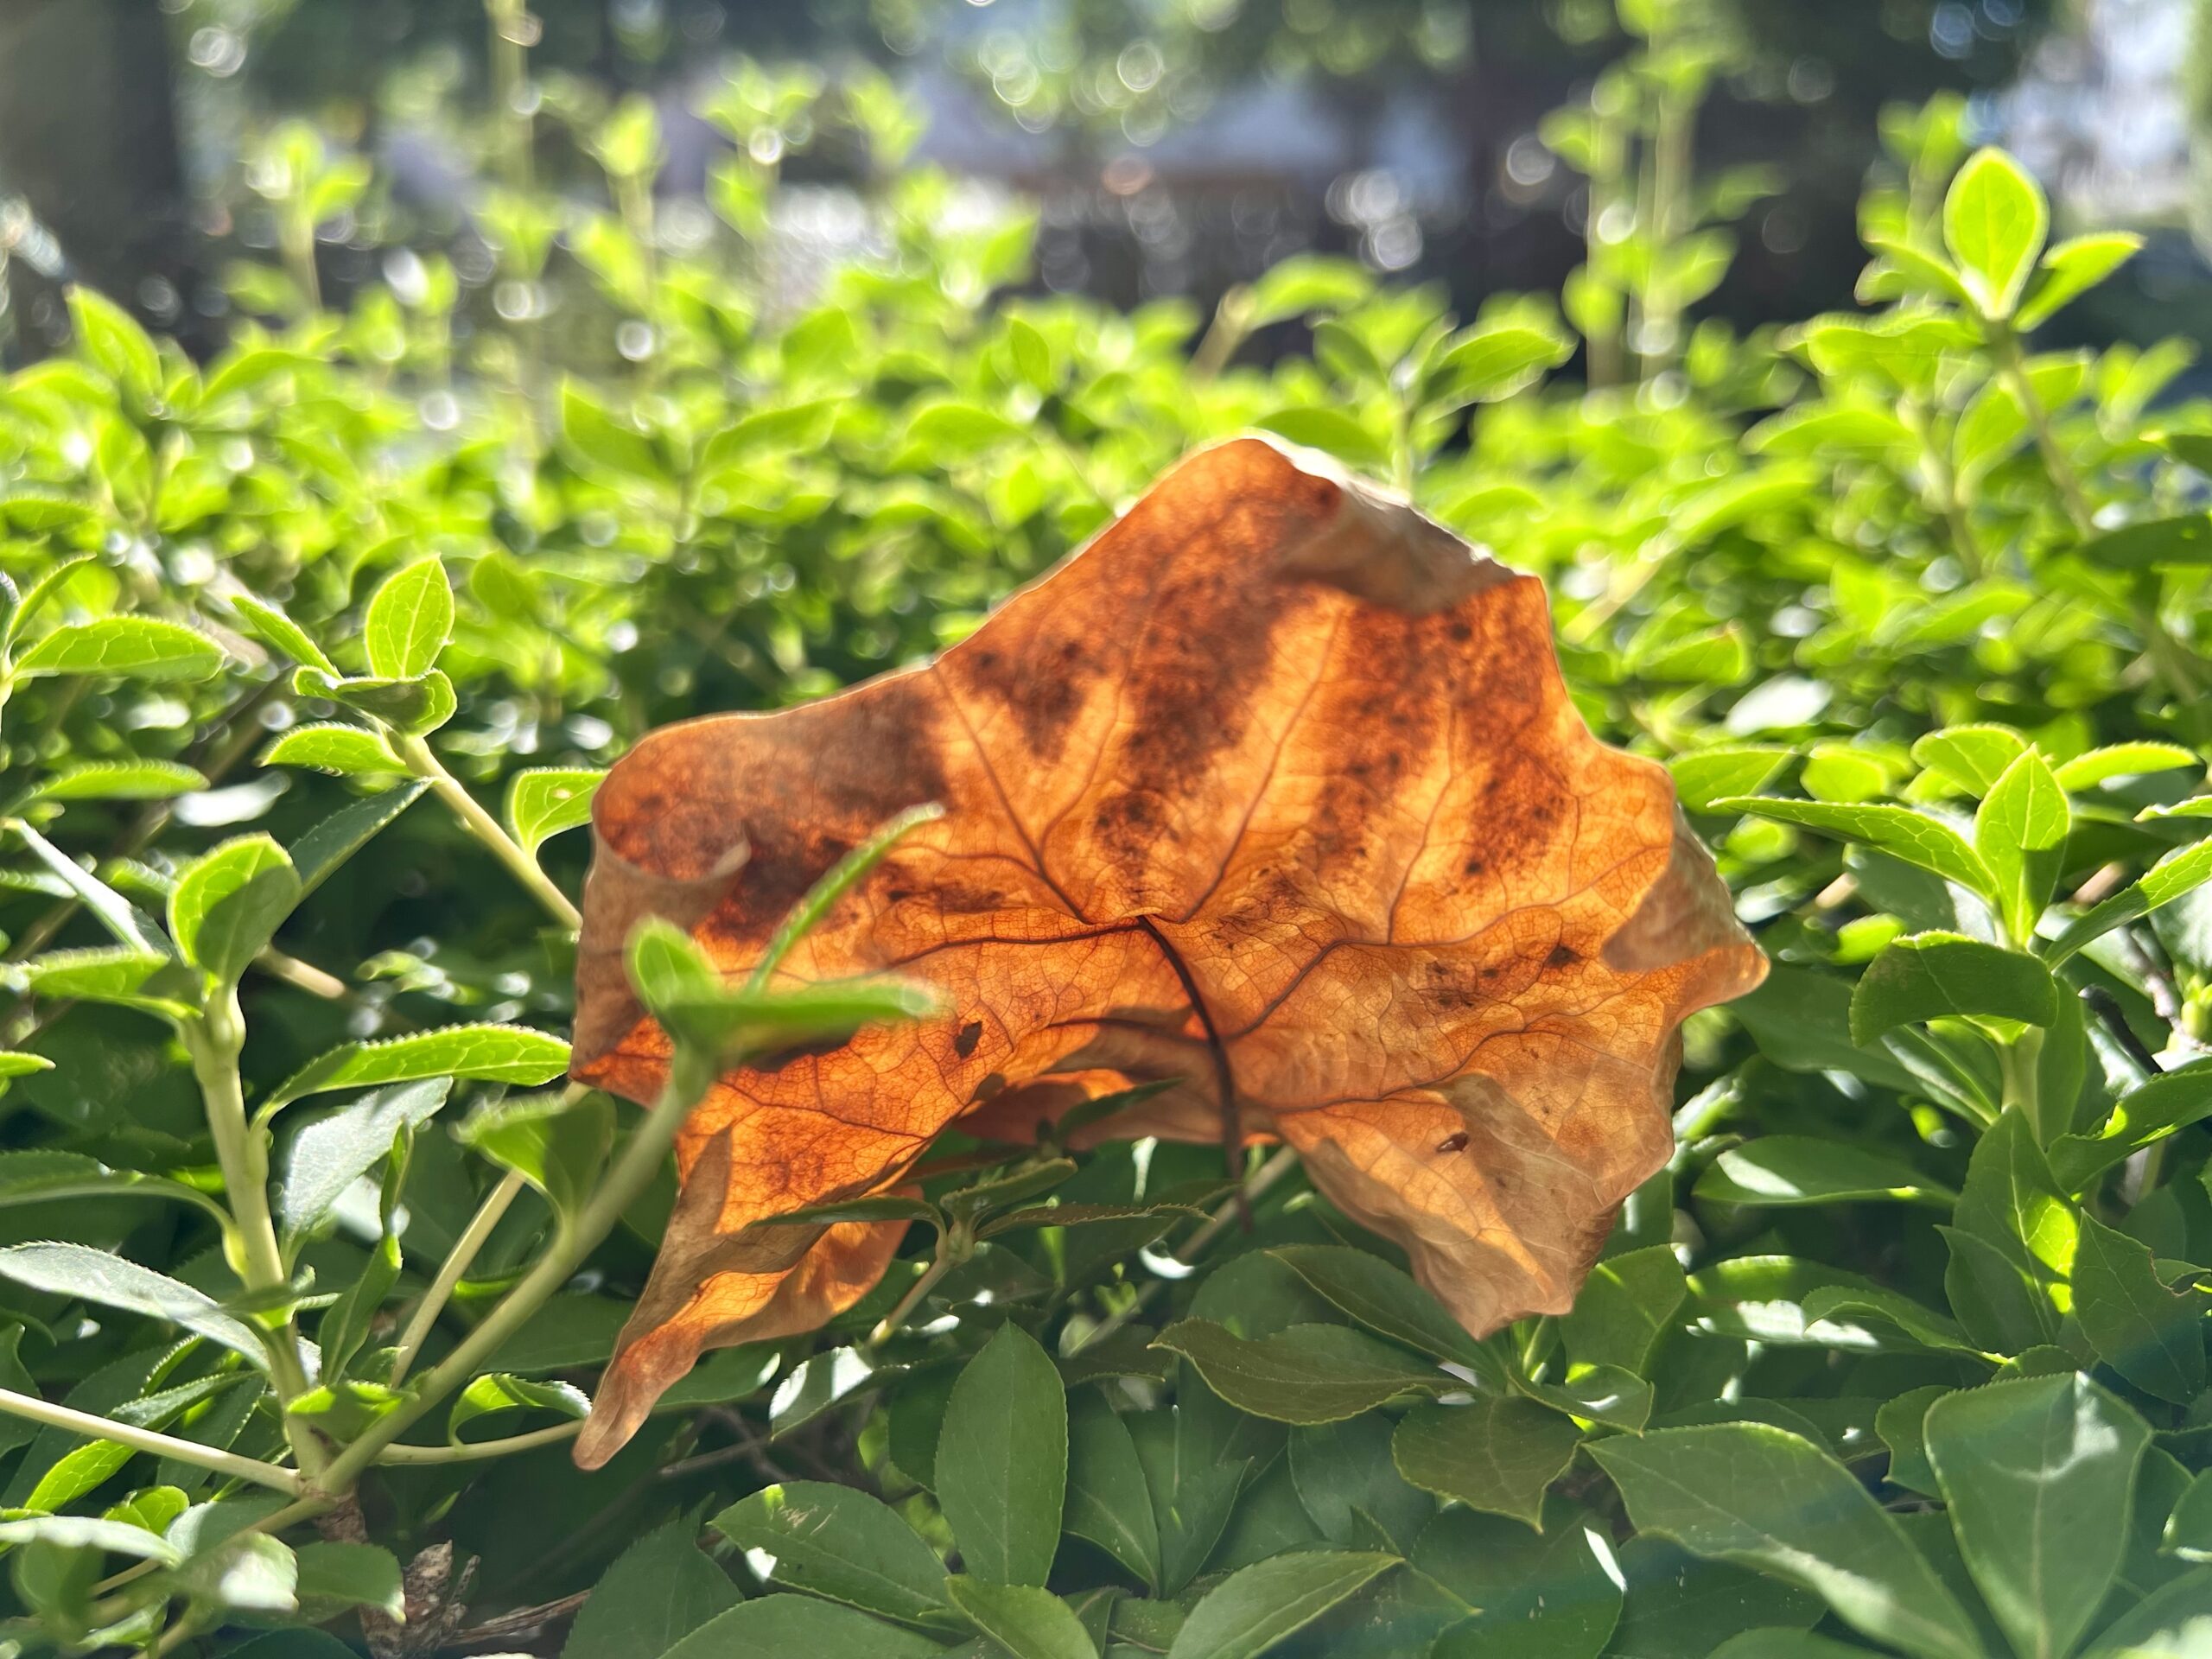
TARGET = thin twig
x,y
458,1261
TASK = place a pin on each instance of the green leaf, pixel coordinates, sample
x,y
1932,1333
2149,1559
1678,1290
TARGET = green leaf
x,y
1598,1394
37,1176
1002,1460
602,445
1922,271
1026,1622
1853,1305
801,1625
2188,1530
1497,1453
125,923
1897,831
834,1542
2145,1331
409,620
2013,1204
228,903
1305,283
1492,360
798,428
328,1156
1972,757
117,974
1107,1501
412,707
485,1053
1926,976
1794,1169
1306,1374
140,647
245,1572
1258,1606
559,1145
1707,776
1900,1423
1332,432
1385,1299
343,750
2038,1475
1995,219
544,801
953,431
281,634
1624,1308
2145,1115
1767,1499
78,1271
118,780
2019,831
84,1532
2179,871
2184,539
2114,760
1538,1595
683,991
2070,269
334,1576
496,1391
324,849
111,337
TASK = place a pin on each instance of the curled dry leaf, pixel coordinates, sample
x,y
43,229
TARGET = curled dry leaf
x,y
1274,788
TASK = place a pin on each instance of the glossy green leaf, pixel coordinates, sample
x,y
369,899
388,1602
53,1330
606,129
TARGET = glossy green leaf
x,y
1497,1453
1995,219
834,1542
344,751
1791,1169
1899,831
1107,1499
2150,1335
546,800
511,1054
1258,1606
1928,976
1765,1499
79,1271
1307,1374
1001,1464
140,647
2038,1474
227,904
1026,1622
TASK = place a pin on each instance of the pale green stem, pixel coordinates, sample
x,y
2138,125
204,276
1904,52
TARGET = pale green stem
x,y
472,1451
425,765
458,1262
947,1259
690,1075
150,1441
1231,323
214,1041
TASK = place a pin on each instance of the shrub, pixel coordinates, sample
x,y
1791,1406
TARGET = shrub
x,y
1901,1350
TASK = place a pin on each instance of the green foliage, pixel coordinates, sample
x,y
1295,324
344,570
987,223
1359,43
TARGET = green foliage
x,y
1902,1352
